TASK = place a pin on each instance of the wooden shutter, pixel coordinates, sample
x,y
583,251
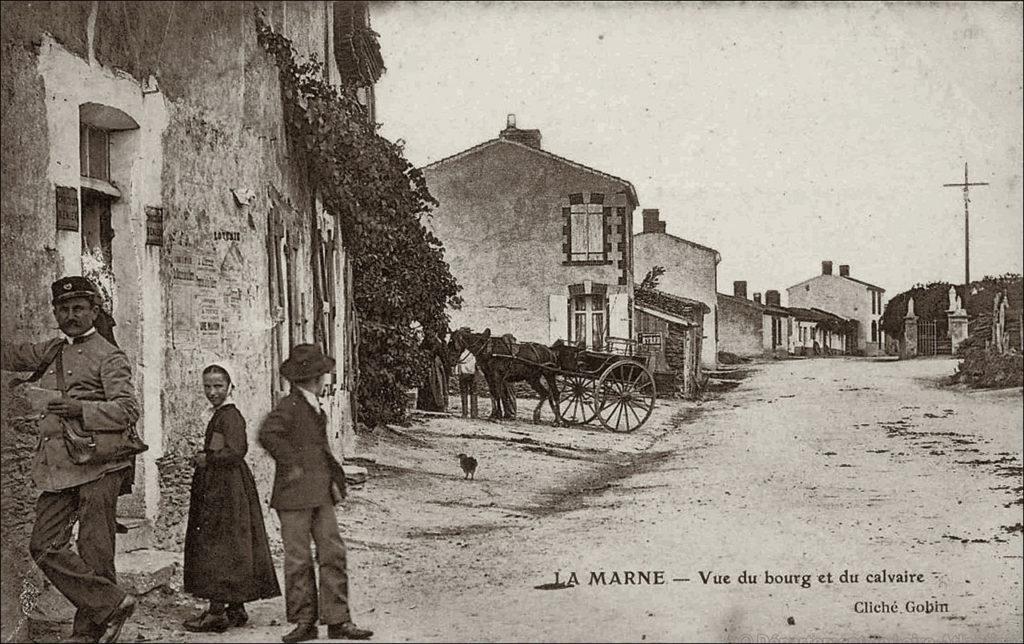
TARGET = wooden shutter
x,y
558,317
618,315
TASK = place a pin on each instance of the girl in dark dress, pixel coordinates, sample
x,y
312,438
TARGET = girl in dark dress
x,y
227,555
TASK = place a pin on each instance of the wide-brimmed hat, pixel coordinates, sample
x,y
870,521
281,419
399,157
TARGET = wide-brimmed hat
x,y
73,286
305,362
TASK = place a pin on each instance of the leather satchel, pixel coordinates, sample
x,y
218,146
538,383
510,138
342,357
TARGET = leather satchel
x,y
87,447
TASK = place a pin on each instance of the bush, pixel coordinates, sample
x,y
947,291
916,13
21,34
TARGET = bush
x,y
981,367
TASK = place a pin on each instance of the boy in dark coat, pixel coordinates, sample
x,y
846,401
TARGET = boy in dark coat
x,y
308,480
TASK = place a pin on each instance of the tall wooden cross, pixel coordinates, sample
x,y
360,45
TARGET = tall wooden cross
x,y
967,234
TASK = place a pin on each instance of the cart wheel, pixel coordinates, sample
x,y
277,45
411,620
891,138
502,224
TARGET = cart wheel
x,y
576,399
625,396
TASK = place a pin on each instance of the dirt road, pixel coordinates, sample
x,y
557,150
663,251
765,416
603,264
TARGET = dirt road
x,y
808,468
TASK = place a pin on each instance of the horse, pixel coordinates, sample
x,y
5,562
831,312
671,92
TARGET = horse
x,y
504,361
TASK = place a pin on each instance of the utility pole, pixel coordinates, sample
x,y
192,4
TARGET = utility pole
x,y
967,231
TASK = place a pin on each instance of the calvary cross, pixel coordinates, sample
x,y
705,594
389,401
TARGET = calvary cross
x,y
967,235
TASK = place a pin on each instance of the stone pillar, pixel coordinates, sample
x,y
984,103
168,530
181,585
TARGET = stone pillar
x,y
909,347
957,327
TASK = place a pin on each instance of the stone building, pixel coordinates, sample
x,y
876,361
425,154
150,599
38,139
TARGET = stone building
x,y
850,299
750,328
691,271
740,323
670,328
144,145
817,332
540,244
776,325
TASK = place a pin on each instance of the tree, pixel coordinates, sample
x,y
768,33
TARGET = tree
x,y
399,271
651,279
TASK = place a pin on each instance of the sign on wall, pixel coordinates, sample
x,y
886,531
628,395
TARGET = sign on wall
x,y
154,226
67,208
650,339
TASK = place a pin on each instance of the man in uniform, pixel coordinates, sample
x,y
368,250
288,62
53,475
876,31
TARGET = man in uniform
x,y
99,395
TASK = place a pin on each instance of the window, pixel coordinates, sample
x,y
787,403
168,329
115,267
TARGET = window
x,y
286,327
94,152
874,331
587,227
97,228
589,320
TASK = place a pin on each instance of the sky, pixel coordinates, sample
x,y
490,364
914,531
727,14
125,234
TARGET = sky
x,y
780,135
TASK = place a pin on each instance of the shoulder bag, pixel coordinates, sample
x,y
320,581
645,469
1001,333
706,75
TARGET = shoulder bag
x,y
86,447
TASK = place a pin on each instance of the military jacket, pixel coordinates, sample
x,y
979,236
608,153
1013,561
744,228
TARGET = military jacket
x,y
97,374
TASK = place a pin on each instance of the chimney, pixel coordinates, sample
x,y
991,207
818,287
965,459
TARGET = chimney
x,y
526,137
826,268
757,297
652,221
739,289
771,298
844,270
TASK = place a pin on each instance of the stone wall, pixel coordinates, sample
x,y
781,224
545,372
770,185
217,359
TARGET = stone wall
x,y
215,111
740,330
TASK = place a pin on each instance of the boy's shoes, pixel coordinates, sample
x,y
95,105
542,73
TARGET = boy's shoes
x,y
237,616
208,622
116,621
348,631
301,633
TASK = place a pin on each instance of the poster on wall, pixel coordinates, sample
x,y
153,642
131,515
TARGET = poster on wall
x,y
207,313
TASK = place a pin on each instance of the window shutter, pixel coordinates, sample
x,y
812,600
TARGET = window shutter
x,y
558,317
579,231
618,315
595,230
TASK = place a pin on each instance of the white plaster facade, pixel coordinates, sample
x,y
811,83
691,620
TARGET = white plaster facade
x,y
691,271
136,164
848,298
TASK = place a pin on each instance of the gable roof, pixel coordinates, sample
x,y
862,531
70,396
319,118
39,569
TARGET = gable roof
x,y
630,190
764,308
870,286
842,277
718,256
740,300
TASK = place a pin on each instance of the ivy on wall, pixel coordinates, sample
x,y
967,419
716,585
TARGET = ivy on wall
x,y
400,275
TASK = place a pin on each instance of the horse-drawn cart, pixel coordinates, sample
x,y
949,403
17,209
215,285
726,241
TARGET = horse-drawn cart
x,y
613,386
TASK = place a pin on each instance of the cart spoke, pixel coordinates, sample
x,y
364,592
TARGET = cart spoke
x,y
625,416
635,414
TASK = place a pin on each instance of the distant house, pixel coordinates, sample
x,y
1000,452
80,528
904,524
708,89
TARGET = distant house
x,y
691,271
817,332
740,323
848,298
670,329
776,325
749,328
541,244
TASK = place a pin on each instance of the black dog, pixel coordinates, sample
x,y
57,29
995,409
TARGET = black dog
x,y
468,464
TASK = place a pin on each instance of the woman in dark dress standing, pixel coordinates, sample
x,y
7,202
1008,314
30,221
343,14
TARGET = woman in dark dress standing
x,y
227,555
